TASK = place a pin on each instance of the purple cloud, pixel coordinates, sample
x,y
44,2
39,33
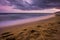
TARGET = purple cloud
x,y
19,5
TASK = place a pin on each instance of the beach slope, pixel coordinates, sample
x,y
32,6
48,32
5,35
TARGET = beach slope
x,y
48,29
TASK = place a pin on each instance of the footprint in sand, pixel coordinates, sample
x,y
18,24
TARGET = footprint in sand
x,y
28,35
7,36
39,26
50,34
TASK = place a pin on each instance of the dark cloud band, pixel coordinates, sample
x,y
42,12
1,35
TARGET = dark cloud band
x,y
35,5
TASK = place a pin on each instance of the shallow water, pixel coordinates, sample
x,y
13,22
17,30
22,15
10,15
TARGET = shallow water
x,y
28,19
8,17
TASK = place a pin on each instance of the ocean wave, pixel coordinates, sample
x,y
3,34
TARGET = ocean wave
x,y
7,17
19,21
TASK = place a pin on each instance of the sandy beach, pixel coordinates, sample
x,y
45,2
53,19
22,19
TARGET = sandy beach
x,y
47,29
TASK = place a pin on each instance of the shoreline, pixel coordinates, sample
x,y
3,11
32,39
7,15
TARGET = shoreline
x,y
49,28
25,21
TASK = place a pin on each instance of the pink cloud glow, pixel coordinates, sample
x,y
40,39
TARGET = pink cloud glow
x,y
10,9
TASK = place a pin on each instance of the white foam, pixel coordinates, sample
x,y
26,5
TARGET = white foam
x,y
19,21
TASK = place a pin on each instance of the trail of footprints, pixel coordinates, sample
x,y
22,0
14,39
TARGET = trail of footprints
x,y
21,36
31,34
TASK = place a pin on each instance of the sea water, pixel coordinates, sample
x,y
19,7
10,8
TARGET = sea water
x,y
8,17
7,20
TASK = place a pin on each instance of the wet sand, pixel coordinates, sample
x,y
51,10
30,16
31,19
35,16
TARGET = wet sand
x,y
40,30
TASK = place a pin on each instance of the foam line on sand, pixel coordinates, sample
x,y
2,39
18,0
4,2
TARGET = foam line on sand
x,y
19,21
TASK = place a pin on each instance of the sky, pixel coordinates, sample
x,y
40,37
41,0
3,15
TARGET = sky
x,y
29,6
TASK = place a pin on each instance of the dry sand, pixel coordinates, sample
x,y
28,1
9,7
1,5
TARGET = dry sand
x,y
41,30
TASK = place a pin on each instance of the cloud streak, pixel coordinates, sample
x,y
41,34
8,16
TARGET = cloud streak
x,y
8,9
34,4
28,6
